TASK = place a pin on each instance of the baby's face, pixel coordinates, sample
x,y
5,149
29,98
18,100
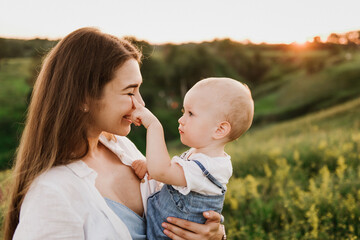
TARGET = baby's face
x,y
200,118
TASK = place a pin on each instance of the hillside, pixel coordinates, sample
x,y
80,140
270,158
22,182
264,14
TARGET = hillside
x,y
322,80
299,179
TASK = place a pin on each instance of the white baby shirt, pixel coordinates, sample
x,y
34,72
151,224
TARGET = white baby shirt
x,y
219,167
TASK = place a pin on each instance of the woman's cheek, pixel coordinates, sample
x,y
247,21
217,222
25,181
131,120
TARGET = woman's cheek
x,y
130,103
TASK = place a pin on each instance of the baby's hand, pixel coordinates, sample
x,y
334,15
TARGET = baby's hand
x,y
140,168
142,115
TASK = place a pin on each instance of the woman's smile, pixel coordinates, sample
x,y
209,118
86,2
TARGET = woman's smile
x,y
127,118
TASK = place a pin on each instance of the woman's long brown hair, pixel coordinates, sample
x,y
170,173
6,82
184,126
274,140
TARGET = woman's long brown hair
x,y
77,68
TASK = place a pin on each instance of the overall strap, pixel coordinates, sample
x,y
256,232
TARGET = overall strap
x,y
182,156
209,176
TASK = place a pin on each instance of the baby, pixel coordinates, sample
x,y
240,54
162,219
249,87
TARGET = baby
x,y
216,111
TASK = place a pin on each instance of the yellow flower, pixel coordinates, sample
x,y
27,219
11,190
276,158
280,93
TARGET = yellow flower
x,y
322,145
234,204
313,221
350,204
251,186
275,152
348,147
341,167
267,171
325,177
356,137
296,155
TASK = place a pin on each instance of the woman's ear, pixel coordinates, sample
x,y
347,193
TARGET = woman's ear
x,y
222,130
85,106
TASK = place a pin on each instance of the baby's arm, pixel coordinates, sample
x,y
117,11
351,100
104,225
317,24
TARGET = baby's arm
x,y
159,164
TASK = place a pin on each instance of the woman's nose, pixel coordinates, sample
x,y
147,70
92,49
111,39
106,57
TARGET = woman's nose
x,y
139,99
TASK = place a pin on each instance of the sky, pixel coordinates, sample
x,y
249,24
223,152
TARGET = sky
x,y
178,21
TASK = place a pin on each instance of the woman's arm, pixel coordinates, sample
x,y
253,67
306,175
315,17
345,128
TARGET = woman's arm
x,y
179,229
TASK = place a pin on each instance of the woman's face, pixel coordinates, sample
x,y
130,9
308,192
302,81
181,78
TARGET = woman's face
x,y
111,113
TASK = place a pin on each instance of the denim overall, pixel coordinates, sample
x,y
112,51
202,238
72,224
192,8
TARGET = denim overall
x,y
169,202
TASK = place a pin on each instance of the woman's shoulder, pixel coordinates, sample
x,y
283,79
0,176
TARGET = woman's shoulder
x,y
64,179
53,174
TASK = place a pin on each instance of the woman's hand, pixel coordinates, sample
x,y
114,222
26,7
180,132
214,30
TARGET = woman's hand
x,y
179,229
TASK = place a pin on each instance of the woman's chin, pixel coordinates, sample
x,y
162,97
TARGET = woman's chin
x,y
124,131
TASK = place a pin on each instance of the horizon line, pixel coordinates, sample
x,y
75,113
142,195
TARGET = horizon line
x,y
243,41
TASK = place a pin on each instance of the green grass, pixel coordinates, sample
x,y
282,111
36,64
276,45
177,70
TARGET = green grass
x,y
299,92
14,89
13,101
298,179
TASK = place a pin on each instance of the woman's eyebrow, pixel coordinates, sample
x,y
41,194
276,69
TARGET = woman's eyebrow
x,y
131,86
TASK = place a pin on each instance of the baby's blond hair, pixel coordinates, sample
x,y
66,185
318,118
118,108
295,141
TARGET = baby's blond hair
x,y
237,105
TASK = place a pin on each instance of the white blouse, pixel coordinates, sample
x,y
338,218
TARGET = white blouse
x,y
63,203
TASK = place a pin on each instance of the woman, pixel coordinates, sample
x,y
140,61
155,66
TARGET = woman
x,y
71,182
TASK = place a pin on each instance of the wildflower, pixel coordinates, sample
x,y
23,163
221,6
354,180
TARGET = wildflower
x,y
348,147
356,137
251,186
296,156
325,177
275,152
234,204
313,221
267,171
341,167
322,145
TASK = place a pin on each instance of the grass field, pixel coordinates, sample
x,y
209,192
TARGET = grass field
x,y
299,179
14,92
298,92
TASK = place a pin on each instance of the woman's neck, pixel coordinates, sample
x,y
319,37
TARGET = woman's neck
x,y
94,144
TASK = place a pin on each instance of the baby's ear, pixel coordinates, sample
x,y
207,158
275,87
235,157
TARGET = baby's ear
x,y
223,129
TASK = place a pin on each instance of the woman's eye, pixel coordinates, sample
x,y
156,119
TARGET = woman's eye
x,y
131,94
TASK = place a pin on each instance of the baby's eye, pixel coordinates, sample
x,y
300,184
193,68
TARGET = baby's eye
x,y
130,94
190,113
182,110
